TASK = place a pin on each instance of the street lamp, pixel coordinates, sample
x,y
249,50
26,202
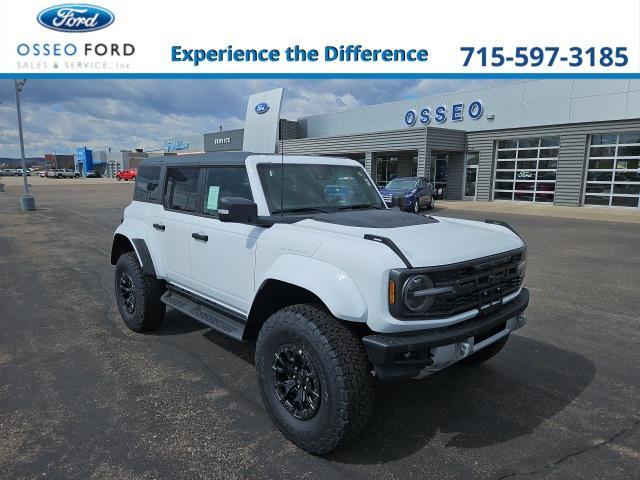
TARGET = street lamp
x,y
27,202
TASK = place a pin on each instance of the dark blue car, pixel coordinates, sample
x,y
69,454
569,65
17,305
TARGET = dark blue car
x,y
409,193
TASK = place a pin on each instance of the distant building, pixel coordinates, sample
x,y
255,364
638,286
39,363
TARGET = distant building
x,y
55,161
123,160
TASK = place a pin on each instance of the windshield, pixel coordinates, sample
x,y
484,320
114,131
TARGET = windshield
x,y
399,184
317,187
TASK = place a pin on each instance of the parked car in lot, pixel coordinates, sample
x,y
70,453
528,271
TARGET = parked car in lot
x,y
409,193
6,172
127,175
19,172
93,174
63,173
302,256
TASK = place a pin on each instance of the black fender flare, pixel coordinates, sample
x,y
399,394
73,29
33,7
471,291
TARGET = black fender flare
x,y
122,244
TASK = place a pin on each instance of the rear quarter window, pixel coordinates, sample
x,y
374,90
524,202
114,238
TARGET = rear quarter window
x,y
147,188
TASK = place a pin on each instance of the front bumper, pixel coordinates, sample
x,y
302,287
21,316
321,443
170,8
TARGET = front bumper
x,y
417,354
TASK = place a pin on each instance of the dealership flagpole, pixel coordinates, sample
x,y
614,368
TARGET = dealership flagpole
x,y
27,202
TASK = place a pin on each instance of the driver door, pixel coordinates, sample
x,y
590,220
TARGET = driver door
x,y
223,254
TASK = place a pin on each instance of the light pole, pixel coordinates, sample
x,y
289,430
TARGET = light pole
x,y
27,202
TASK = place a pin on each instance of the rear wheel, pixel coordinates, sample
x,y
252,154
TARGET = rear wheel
x,y
431,204
314,378
486,353
138,295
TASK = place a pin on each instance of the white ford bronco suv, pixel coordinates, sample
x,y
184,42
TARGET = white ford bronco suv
x,y
301,255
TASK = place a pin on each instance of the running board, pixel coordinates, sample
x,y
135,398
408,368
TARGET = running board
x,y
212,318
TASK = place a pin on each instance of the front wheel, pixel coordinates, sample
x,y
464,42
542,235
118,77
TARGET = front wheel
x,y
416,206
314,378
138,295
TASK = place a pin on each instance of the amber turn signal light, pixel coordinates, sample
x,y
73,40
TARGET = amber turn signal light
x,y
392,292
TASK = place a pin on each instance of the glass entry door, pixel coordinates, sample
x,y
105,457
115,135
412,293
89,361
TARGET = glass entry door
x,y
470,175
439,166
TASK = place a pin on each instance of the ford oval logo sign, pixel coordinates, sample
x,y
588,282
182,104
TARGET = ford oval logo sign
x,y
75,17
262,107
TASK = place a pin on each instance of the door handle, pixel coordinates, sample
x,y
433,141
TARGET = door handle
x,y
200,236
157,226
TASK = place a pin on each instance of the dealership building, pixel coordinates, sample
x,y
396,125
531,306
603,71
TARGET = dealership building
x,y
558,142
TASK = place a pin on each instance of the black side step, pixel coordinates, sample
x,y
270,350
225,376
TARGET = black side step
x,y
219,321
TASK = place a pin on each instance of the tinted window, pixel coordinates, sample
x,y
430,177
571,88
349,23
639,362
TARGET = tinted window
x,y
225,182
398,184
318,187
182,188
147,184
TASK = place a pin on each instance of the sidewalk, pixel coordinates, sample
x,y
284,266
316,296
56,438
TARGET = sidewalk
x,y
602,214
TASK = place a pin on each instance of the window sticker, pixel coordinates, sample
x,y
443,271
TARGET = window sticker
x,y
212,197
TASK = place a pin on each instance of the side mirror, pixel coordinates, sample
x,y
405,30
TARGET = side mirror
x,y
237,210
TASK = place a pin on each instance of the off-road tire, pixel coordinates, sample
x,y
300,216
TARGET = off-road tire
x,y
338,356
148,310
486,353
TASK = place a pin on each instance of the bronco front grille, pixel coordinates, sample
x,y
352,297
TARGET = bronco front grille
x,y
479,284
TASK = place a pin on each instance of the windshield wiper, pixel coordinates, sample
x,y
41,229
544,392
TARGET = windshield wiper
x,y
299,210
359,206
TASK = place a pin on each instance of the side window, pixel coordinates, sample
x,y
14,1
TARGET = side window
x,y
147,185
182,189
224,182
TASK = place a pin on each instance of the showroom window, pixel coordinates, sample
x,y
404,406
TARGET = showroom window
x,y
613,172
526,169
395,164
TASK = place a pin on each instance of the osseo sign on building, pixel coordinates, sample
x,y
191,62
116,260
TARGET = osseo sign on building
x,y
442,113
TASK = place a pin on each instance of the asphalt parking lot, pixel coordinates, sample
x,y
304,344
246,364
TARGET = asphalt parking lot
x,y
83,397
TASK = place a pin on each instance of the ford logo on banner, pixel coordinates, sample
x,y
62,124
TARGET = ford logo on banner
x,y
75,17
261,108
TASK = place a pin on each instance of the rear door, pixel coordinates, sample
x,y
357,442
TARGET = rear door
x,y
172,225
223,254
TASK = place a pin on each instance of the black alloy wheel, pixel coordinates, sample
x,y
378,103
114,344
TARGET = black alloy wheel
x,y
126,292
296,382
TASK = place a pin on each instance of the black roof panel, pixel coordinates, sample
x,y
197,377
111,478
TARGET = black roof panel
x,y
211,158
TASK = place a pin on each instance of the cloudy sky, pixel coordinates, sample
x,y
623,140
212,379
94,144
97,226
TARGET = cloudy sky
x,y
123,114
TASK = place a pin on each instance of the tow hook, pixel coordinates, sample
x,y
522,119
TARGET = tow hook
x,y
466,349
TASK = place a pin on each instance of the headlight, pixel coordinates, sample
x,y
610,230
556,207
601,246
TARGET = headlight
x,y
522,266
415,294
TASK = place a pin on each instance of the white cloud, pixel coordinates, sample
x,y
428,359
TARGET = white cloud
x,y
64,114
